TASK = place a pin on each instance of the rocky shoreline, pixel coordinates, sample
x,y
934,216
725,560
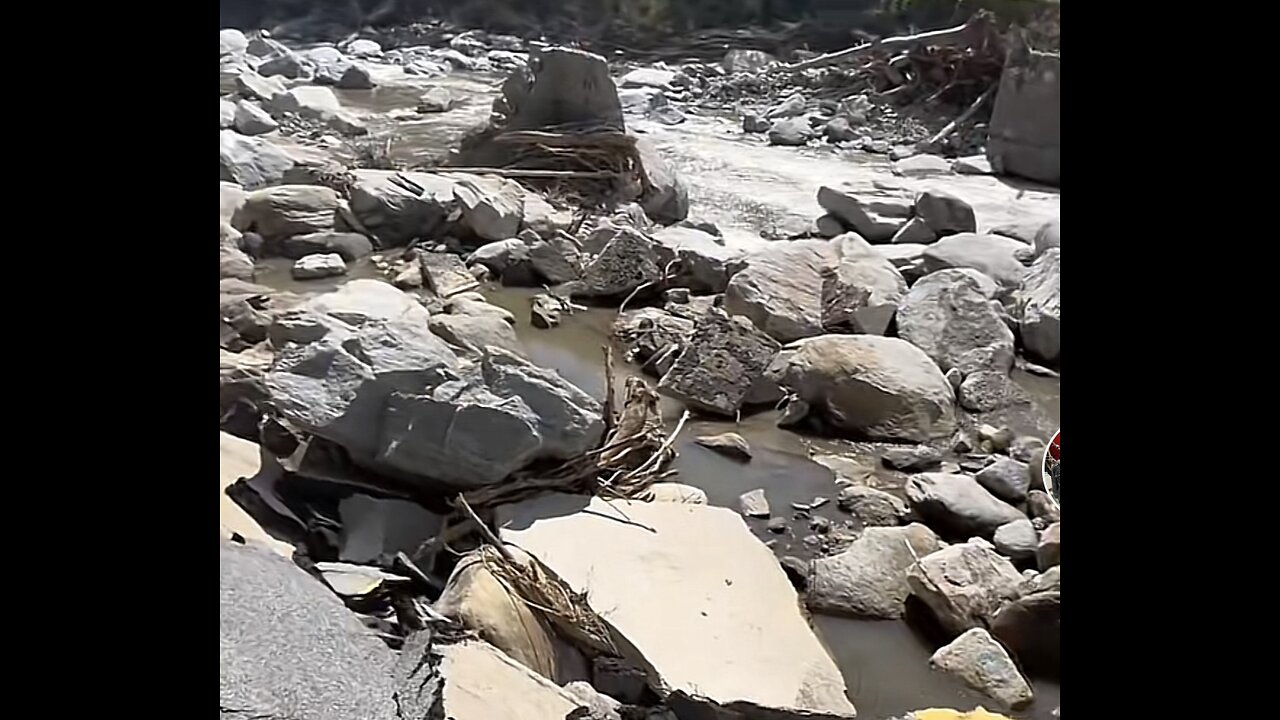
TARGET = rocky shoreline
x,y
458,530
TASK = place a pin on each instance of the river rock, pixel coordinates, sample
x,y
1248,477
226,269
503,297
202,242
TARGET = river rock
x,y
862,292
1007,479
444,274
650,77
626,262
234,263
351,246
435,100
678,493
363,48
993,255
285,210
872,507
753,123
250,162
289,648
599,706
1049,552
838,130
319,266
1040,307
707,577
868,578
789,107
985,390
492,207
922,165
232,42
912,459
483,683
972,165
982,664
641,100
328,64
647,332
253,86
395,213
958,505
1016,540
948,315
730,444
964,585
545,219
226,114
285,62
945,213
1041,508
780,289
475,333
792,131
866,385
754,504
1031,627
856,215
560,86
356,77
665,197
249,119
722,366
556,259
705,263
316,103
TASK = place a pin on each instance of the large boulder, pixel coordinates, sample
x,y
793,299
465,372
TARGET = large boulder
x,y
1040,307
949,316
663,195
957,505
706,578
249,119
250,162
1031,627
316,103
627,261
287,647
780,289
869,386
994,255
285,210
706,264
862,292
329,64
1007,479
560,87
1025,135
722,366
977,660
944,213
475,333
492,207
396,212
869,578
964,585
858,216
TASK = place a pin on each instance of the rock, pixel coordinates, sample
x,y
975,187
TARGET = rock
x,y
395,213
739,60
792,131
473,304
380,527
289,648
226,114
754,504
945,213
1025,132
649,77
355,77
1031,627
722,366
708,577
261,45
1049,552
982,664
665,197
753,123
1016,540
233,263
862,292
780,289
285,210
992,255
249,119
914,231
1048,236
474,334
957,505
544,311
284,62
947,315
865,385
797,571
791,106
1040,307
599,706
544,219
777,525
351,246
625,263
255,87
829,226
482,683
319,266
556,259
239,459
872,226
364,49
730,444
705,263
492,207
503,256
984,391
1040,507
872,507
1007,479
617,679
922,165
838,130
955,377
678,493
435,100
444,274
649,333
329,64
312,102
232,42
912,459
972,165
561,86
964,585
641,100
1000,438
869,579
250,162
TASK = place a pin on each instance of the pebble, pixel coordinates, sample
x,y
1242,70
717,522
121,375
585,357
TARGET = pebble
x,y
778,525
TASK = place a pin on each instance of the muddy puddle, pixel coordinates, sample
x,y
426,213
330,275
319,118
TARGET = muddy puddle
x,y
748,190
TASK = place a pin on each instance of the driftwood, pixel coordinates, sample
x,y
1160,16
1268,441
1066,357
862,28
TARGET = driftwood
x,y
964,34
963,118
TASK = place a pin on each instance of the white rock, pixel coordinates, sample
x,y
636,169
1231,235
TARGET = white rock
x,y
869,578
238,459
972,165
921,165
250,162
232,42
981,663
754,504
250,119
678,493
255,87
993,255
364,49
319,266
482,683
650,77
287,210
780,290
226,114
1040,307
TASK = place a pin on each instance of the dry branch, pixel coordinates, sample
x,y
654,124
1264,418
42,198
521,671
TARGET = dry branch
x,y
958,35
964,117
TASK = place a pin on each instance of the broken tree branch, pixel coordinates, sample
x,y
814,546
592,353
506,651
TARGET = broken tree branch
x,y
958,35
484,530
963,118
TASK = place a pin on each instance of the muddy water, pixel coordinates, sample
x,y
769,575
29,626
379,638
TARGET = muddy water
x,y
748,190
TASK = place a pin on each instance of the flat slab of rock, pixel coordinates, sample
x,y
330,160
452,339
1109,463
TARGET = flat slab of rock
x,y
706,264
722,366
445,274
285,210
483,683
754,504
780,289
870,386
964,585
993,255
707,578
872,507
627,261
869,578
1040,307
858,215
982,664
731,444
957,504
238,458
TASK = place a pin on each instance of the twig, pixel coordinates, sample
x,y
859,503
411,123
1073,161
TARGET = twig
x,y
609,420
964,117
484,530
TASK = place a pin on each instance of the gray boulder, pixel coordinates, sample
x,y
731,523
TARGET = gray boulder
x,y
914,231
1049,552
626,262
650,77
492,207
396,212
957,505
444,274
1031,627
508,259
857,215
285,62
664,196
474,333
284,210
705,263
351,246
287,647
561,86
945,213
862,292
232,43
234,263
253,86
964,585
986,390
993,255
949,316
319,266
982,664
1007,479
1040,307
791,131
869,578
249,119
780,289
729,444
316,103
556,259
872,507
435,100
226,114
356,77
1016,540
328,64
722,366
364,49
250,162
791,106
869,386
